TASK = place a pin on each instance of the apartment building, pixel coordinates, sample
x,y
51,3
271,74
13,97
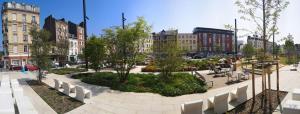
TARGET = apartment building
x,y
187,42
17,21
161,39
145,45
62,29
258,43
212,41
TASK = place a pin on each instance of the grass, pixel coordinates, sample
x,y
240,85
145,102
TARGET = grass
x,y
180,84
64,71
56,100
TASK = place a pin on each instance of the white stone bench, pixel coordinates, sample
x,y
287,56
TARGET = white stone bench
x,y
296,94
240,94
193,107
68,88
6,104
291,107
58,84
5,90
82,93
219,103
24,104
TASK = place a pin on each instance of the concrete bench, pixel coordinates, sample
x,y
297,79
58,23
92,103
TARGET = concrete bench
x,y
296,94
194,107
291,107
24,105
6,104
82,93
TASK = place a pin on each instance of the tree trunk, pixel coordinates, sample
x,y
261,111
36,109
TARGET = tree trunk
x,y
39,76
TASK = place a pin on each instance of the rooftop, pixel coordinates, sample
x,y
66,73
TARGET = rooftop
x,y
20,7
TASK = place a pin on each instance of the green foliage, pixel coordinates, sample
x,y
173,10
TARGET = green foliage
x,y
169,58
123,46
290,49
251,11
64,71
180,84
95,52
248,51
140,59
40,48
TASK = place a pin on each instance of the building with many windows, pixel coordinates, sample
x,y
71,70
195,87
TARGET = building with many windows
x,y
17,20
187,42
212,41
162,39
61,29
202,40
257,43
145,45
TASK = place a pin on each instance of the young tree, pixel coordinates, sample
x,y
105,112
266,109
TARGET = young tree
x,y
169,59
40,50
62,50
123,45
264,14
289,48
248,51
95,52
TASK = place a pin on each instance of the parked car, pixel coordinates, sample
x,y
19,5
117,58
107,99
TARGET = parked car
x,y
15,67
30,67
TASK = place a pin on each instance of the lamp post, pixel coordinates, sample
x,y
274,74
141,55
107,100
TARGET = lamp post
x,y
85,33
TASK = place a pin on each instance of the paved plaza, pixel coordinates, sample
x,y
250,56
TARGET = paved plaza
x,y
106,101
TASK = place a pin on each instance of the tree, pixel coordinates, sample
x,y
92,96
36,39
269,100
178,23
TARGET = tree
x,y
62,50
40,49
95,52
289,48
169,59
264,14
123,45
248,51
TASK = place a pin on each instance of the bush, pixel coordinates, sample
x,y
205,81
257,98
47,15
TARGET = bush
x,y
180,84
150,68
64,71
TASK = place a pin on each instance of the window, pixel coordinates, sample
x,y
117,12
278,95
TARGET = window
x,y
15,38
25,38
33,19
15,49
14,27
15,62
24,17
14,16
25,49
24,27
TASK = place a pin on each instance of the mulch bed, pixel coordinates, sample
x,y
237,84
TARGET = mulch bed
x,y
261,104
58,101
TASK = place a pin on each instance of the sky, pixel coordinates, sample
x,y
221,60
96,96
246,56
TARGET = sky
x,y
183,15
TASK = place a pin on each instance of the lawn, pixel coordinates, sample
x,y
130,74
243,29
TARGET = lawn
x,y
180,84
64,71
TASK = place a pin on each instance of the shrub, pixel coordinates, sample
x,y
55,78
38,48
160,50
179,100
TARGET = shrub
x,y
64,71
150,68
180,84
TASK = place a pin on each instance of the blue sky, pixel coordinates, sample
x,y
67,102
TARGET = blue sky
x,y
183,15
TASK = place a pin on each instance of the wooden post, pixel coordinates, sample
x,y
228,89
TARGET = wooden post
x,y
277,75
253,83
